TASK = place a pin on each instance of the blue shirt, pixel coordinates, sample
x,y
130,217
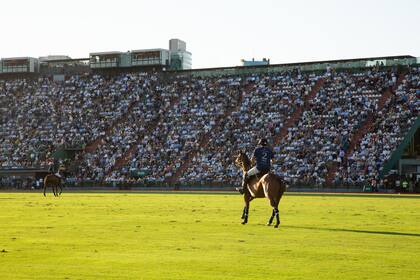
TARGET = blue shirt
x,y
263,156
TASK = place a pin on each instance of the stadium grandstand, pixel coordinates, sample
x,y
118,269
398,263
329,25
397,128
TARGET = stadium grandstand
x,y
145,118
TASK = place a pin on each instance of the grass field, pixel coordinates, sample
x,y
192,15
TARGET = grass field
x,y
199,236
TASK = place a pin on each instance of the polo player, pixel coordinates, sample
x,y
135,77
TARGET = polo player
x,y
263,156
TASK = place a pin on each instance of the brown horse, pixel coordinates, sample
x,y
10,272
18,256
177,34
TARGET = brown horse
x,y
269,185
53,181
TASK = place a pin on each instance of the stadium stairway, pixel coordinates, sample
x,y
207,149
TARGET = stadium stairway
x,y
294,118
204,138
367,127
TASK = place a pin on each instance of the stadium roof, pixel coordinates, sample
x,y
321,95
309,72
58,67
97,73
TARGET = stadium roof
x,y
308,62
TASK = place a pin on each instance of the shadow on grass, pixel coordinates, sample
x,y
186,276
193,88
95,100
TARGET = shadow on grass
x,y
355,230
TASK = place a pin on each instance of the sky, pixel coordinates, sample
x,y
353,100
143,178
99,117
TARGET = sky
x,y
218,33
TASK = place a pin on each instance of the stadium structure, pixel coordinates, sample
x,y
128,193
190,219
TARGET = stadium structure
x,y
145,118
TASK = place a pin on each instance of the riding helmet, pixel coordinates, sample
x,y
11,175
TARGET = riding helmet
x,y
263,142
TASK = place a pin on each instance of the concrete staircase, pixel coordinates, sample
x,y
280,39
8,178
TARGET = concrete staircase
x,y
294,118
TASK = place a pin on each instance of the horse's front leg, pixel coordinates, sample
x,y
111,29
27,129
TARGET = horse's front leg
x,y
45,188
247,199
61,189
54,189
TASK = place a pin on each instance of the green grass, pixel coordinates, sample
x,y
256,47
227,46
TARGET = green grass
x,y
199,236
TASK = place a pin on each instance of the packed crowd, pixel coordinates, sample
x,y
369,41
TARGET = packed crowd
x,y
391,124
142,122
267,102
148,103
39,113
200,106
324,131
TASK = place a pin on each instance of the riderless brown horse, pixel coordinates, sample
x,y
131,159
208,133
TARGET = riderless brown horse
x,y
268,185
54,181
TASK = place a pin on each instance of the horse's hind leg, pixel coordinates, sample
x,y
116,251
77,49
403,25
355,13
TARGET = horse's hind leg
x,y
275,204
277,214
271,218
245,215
45,188
276,209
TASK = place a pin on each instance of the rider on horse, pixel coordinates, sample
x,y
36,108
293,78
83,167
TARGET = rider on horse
x,y
262,156
53,165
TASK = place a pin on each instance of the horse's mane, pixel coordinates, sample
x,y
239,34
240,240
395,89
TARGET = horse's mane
x,y
247,161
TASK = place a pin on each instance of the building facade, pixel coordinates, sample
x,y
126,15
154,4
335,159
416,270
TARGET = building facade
x,y
176,58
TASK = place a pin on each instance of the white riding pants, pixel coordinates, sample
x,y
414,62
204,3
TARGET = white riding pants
x,y
253,171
